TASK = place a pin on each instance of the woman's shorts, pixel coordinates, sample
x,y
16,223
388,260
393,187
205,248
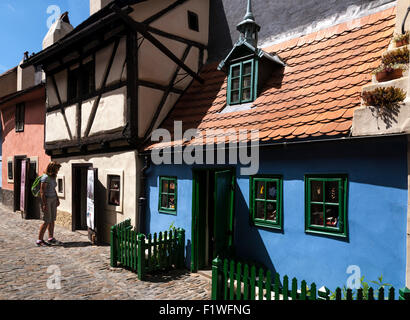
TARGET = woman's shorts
x,y
51,214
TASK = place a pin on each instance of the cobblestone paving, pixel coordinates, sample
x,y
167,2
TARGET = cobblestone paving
x,y
85,270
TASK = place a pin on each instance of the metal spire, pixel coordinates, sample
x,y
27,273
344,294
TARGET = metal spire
x,y
249,13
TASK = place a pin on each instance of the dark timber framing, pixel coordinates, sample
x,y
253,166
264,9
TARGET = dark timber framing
x,y
74,48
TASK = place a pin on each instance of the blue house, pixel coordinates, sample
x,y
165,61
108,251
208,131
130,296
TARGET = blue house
x,y
307,198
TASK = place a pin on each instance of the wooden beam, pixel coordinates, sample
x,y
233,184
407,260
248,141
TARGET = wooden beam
x,y
142,28
53,80
157,86
95,93
163,11
165,96
132,85
97,101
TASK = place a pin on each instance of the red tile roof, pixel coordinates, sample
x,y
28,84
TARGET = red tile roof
x,y
320,88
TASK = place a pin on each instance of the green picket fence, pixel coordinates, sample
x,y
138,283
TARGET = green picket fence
x,y
240,281
144,254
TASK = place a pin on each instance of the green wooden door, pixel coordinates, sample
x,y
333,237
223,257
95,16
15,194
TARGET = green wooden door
x,y
223,221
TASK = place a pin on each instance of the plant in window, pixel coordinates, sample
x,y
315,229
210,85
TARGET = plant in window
x,y
326,204
168,194
401,39
266,201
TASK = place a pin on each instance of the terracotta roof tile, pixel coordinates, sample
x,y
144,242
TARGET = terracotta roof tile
x,y
318,93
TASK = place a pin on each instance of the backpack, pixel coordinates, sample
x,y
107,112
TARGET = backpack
x,y
35,188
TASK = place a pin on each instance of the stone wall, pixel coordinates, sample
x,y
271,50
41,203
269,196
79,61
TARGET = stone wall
x,y
7,198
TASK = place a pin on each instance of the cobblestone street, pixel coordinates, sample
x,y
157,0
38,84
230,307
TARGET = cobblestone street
x,y
85,269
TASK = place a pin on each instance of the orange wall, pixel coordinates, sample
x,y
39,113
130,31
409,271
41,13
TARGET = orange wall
x,y
30,142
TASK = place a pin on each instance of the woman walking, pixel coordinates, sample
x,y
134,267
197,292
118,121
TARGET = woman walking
x,y
49,204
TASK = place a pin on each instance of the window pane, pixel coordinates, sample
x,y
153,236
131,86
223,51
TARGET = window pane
x,y
165,186
316,212
332,216
246,83
246,94
171,202
260,210
171,187
114,183
164,201
235,96
114,198
260,190
316,189
272,190
236,71
271,211
247,68
235,84
332,194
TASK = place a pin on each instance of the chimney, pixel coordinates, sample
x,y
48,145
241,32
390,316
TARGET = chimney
x,y
58,30
97,5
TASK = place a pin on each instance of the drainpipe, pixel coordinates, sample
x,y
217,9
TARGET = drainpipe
x,y
142,200
404,21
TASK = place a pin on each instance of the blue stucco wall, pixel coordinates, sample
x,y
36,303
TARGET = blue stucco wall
x,y
377,212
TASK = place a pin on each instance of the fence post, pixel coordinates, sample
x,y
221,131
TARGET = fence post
x,y
216,281
323,293
113,239
181,240
141,257
404,294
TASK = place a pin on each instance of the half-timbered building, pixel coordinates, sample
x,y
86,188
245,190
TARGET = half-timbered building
x,y
110,81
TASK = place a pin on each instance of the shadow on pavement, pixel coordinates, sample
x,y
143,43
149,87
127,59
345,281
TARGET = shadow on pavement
x,y
166,276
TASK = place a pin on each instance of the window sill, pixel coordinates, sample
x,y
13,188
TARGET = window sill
x,y
171,212
237,107
269,225
326,233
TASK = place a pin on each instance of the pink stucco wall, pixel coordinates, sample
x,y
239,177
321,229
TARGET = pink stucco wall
x,y
30,142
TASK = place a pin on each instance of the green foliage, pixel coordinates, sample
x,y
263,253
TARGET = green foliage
x,y
384,98
364,286
398,56
390,67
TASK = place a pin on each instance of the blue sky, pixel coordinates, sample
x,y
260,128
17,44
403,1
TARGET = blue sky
x,y
23,25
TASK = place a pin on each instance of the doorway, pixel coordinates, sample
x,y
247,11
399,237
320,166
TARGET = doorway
x,y
79,196
212,216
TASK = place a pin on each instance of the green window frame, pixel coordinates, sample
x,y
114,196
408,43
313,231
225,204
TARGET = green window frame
x,y
266,201
326,204
167,202
241,86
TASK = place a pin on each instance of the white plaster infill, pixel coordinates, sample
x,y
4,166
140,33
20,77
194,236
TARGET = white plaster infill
x,y
237,107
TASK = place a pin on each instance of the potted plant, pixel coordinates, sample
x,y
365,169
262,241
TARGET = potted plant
x,y
384,99
389,72
401,39
397,56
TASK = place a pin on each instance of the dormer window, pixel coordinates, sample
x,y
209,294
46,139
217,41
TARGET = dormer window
x,y
241,82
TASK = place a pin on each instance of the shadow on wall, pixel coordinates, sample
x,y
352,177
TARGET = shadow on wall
x,y
252,248
220,40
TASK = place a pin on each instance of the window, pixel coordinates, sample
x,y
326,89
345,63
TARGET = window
x,y
326,204
10,171
81,81
19,117
193,22
241,83
168,195
60,186
114,190
266,201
